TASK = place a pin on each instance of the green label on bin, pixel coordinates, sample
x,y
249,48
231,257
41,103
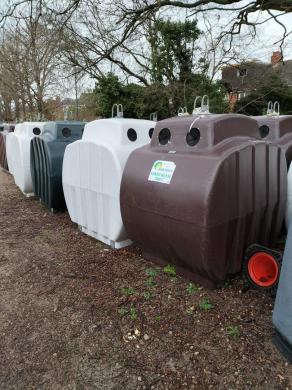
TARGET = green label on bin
x,y
162,171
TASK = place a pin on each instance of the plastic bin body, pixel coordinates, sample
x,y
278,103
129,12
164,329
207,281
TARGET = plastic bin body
x,y
219,196
3,157
280,133
282,314
289,198
18,153
47,155
92,173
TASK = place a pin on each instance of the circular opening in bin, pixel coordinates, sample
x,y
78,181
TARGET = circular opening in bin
x,y
164,136
193,136
132,135
151,132
264,131
263,269
66,132
36,131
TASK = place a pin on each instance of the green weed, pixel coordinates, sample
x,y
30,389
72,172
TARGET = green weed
x,y
133,313
147,295
128,291
205,304
170,270
233,331
150,282
152,272
192,288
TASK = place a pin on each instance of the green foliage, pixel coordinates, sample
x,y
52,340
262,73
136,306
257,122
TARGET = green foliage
x,y
205,304
233,331
177,75
172,45
150,282
269,88
108,91
170,270
140,101
147,295
133,313
152,272
192,288
127,291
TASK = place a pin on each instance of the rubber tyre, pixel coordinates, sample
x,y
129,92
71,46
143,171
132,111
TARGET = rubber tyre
x,y
249,256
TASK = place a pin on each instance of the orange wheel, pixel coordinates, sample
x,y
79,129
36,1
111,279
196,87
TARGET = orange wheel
x,y
261,268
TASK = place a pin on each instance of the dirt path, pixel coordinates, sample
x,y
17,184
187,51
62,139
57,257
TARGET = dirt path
x,y
76,315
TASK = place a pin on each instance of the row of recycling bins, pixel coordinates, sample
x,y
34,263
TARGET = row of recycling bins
x,y
194,190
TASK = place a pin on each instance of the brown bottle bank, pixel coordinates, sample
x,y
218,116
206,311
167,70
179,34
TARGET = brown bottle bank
x,y
203,190
3,134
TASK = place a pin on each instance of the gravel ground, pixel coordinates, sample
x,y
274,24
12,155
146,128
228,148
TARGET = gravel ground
x,y
75,314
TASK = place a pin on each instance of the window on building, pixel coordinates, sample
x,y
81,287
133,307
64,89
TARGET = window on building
x,y
241,72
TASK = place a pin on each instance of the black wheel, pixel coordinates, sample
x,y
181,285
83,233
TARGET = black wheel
x,y
261,268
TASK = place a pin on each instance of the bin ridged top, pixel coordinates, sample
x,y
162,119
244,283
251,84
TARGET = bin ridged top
x,y
117,131
278,130
198,198
213,129
274,127
67,131
29,129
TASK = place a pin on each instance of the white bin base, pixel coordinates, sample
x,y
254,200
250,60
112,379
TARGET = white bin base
x,y
29,194
105,240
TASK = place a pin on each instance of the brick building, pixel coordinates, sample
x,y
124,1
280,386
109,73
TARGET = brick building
x,y
241,79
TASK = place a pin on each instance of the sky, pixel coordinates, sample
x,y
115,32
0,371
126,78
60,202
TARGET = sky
x,y
272,32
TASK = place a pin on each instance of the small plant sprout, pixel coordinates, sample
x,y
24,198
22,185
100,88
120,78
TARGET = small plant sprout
x,y
192,288
127,291
170,270
122,311
150,281
147,295
152,272
157,318
133,313
205,304
233,331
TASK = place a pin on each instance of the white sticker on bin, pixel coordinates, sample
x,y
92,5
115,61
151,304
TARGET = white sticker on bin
x,y
162,171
